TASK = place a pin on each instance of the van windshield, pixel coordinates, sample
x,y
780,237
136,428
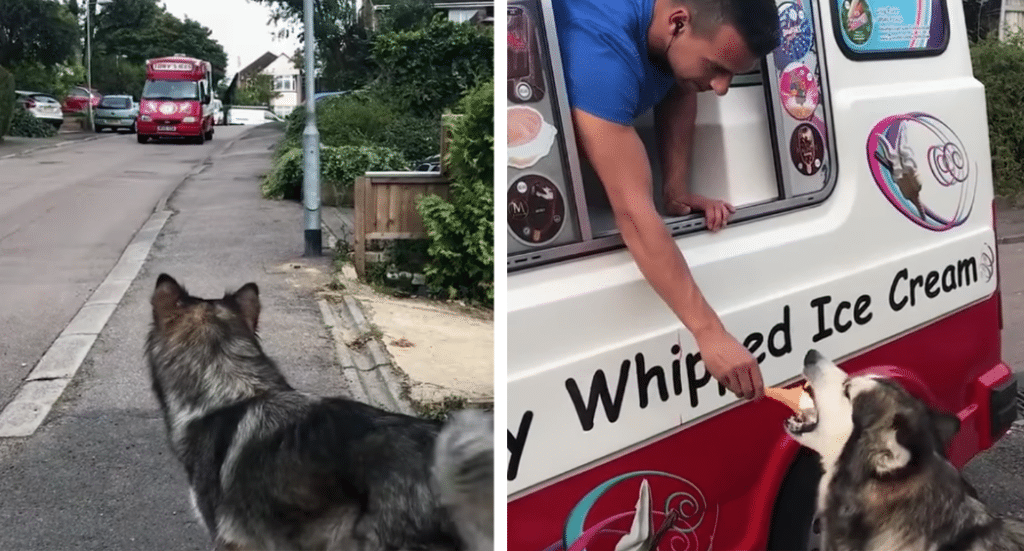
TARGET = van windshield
x,y
170,89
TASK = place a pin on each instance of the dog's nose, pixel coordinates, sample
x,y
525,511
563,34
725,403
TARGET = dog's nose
x,y
811,363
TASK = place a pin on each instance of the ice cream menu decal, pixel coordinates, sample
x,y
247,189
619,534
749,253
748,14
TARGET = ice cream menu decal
x,y
891,26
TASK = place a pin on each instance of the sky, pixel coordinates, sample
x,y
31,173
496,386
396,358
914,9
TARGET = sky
x,y
240,26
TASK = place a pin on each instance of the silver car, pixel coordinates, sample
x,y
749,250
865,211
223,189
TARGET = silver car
x,y
116,112
42,106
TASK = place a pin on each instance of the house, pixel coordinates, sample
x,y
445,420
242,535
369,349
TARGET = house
x,y
287,80
480,12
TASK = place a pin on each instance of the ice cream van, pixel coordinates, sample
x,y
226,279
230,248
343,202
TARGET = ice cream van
x,y
857,155
176,100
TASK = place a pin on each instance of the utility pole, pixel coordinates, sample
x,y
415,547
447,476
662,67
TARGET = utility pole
x,y
311,148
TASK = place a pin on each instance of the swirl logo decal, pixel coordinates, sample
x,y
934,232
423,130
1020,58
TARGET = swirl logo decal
x,y
678,524
922,168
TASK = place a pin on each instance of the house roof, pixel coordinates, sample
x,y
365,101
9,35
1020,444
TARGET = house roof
x,y
258,66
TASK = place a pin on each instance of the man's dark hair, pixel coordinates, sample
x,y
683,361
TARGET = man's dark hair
x,y
756,20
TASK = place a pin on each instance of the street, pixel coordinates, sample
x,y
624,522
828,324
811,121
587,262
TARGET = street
x,y
98,473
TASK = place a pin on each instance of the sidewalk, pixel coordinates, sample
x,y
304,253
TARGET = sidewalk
x,y
442,352
12,146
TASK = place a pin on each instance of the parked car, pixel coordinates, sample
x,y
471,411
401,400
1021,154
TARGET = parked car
x,y
42,106
252,115
218,111
78,99
430,164
115,113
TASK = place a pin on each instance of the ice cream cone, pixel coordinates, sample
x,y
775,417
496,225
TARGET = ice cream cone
x,y
789,396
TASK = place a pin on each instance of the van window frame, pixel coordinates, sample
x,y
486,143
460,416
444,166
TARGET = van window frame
x,y
593,242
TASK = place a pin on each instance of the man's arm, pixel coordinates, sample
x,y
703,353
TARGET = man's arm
x,y
675,119
618,156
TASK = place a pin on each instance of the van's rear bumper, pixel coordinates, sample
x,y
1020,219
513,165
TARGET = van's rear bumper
x,y
990,411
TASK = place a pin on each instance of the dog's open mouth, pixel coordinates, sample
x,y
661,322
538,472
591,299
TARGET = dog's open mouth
x,y
806,418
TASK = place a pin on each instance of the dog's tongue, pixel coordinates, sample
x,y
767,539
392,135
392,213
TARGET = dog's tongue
x,y
792,397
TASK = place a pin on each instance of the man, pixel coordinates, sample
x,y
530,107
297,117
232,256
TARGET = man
x,y
622,57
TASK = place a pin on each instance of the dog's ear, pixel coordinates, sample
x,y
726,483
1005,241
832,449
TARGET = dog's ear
x,y
248,299
889,452
166,297
946,426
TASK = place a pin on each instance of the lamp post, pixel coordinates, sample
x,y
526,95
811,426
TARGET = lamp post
x,y
88,53
311,148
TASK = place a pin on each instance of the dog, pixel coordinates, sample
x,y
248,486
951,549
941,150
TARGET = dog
x,y
886,482
272,467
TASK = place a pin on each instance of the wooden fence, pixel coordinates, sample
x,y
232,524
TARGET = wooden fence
x,y
385,207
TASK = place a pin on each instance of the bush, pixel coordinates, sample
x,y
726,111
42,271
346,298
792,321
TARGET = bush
x,y
1000,66
462,229
362,119
339,167
426,70
25,125
6,101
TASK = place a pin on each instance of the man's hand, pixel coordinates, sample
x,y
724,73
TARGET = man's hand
x,y
716,212
731,364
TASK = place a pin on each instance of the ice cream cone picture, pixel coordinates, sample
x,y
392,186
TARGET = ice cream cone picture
x,y
795,398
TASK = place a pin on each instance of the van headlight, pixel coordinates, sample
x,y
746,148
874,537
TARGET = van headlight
x,y
188,119
146,118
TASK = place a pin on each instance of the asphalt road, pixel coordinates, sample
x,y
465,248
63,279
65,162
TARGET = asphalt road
x,y
98,475
67,214
998,474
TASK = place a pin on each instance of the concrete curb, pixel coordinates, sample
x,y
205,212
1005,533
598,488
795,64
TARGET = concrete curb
x,y
372,378
52,146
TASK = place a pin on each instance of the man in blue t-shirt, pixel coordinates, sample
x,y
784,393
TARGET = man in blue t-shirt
x,y
622,57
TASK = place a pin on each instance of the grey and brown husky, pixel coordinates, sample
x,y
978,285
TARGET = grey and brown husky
x,y
271,467
886,482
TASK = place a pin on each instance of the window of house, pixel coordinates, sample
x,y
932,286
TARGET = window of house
x,y
765,147
284,83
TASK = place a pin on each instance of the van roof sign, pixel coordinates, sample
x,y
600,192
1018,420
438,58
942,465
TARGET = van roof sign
x,y
172,66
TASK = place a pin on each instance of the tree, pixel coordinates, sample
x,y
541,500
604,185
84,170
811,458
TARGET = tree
x,y
258,90
128,32
40,31
406,15
426,70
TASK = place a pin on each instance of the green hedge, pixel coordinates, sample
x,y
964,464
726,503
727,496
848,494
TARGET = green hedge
x,y
1000,67
339,167
367,120
462,229
6,100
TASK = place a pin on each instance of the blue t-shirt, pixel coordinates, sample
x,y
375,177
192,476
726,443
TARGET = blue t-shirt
x,y
604,56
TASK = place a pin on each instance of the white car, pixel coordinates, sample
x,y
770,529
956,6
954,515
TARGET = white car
x,y
42,106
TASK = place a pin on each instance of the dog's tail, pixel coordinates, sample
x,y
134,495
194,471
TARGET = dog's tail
x,y
464,473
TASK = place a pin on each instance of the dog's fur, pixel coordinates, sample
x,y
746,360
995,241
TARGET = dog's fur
x,y
270,467
887,484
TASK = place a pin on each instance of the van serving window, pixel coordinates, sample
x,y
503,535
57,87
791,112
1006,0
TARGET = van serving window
x,y
890,29
765,147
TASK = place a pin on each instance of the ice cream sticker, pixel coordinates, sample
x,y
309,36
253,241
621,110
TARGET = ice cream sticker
x,y
922,168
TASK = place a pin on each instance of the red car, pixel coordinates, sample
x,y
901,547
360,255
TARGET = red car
x,y
77,98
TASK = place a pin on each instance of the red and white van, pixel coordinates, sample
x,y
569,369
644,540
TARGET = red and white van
x,y
857,156
176,100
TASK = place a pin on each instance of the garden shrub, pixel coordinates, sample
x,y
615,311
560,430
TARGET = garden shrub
x,y
6,100
25,125
339,167
1000,67
461,229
